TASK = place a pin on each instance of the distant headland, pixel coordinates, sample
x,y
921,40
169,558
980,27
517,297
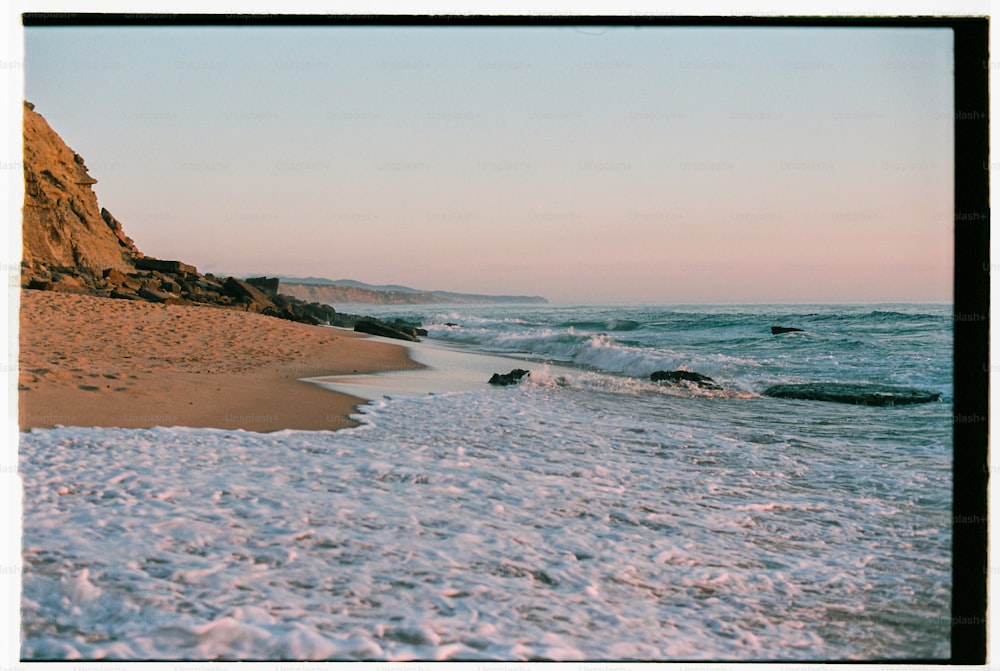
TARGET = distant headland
x,y
351,291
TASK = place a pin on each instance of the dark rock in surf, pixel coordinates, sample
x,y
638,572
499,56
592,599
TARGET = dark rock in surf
x,y
778,330
380,328
408,327
856,394
510,378
684,376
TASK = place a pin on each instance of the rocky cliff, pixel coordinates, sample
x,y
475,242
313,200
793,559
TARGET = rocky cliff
x,y
63,224
71,244
336,293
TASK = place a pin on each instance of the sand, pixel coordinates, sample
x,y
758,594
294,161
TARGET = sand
x,y
91,361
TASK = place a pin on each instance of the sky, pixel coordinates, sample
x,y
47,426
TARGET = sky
x,y
625,165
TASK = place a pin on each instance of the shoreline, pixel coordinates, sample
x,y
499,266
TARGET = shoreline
x,y
89,361
444,369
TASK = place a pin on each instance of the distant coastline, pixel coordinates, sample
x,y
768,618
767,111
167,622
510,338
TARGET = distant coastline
x,y
321,290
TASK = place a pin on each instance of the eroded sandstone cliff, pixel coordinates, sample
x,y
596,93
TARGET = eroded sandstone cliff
x,y
63,224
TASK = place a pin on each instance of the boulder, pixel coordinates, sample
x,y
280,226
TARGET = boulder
x,y
269,285
513,377
114,276
256,300
856,394
60,282
675,376
407,326
325,313
154,295
127,294
69,280
170,286
132,282
149,263
380,328
777,330
209,287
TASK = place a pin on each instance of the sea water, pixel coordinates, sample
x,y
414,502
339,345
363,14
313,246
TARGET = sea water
x,y
584,514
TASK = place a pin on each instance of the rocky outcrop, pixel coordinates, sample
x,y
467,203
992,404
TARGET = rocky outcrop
x,y
63,225
72,245
507,379
675,376
380,328
778,330
856,394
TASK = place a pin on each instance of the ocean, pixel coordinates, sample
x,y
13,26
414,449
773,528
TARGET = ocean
x,y
585,513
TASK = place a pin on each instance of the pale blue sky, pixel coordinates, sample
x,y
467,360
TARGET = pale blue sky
x,y
659,164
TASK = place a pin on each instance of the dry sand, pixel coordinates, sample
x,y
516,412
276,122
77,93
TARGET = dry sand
x,y
90,361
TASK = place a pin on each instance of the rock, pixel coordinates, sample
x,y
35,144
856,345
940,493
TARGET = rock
x,y
269,285
127,294
154,295
149,263
132,282
325,313
114,276
856,394
209,287
508,379
70,280
684,376
408,327
256,300
61,282
777,330
170,286
451,324
379,328
186,287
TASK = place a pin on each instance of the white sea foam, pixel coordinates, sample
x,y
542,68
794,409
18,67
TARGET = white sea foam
x,y
586,513
520,523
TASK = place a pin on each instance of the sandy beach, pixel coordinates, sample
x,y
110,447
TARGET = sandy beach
x,y
91,361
